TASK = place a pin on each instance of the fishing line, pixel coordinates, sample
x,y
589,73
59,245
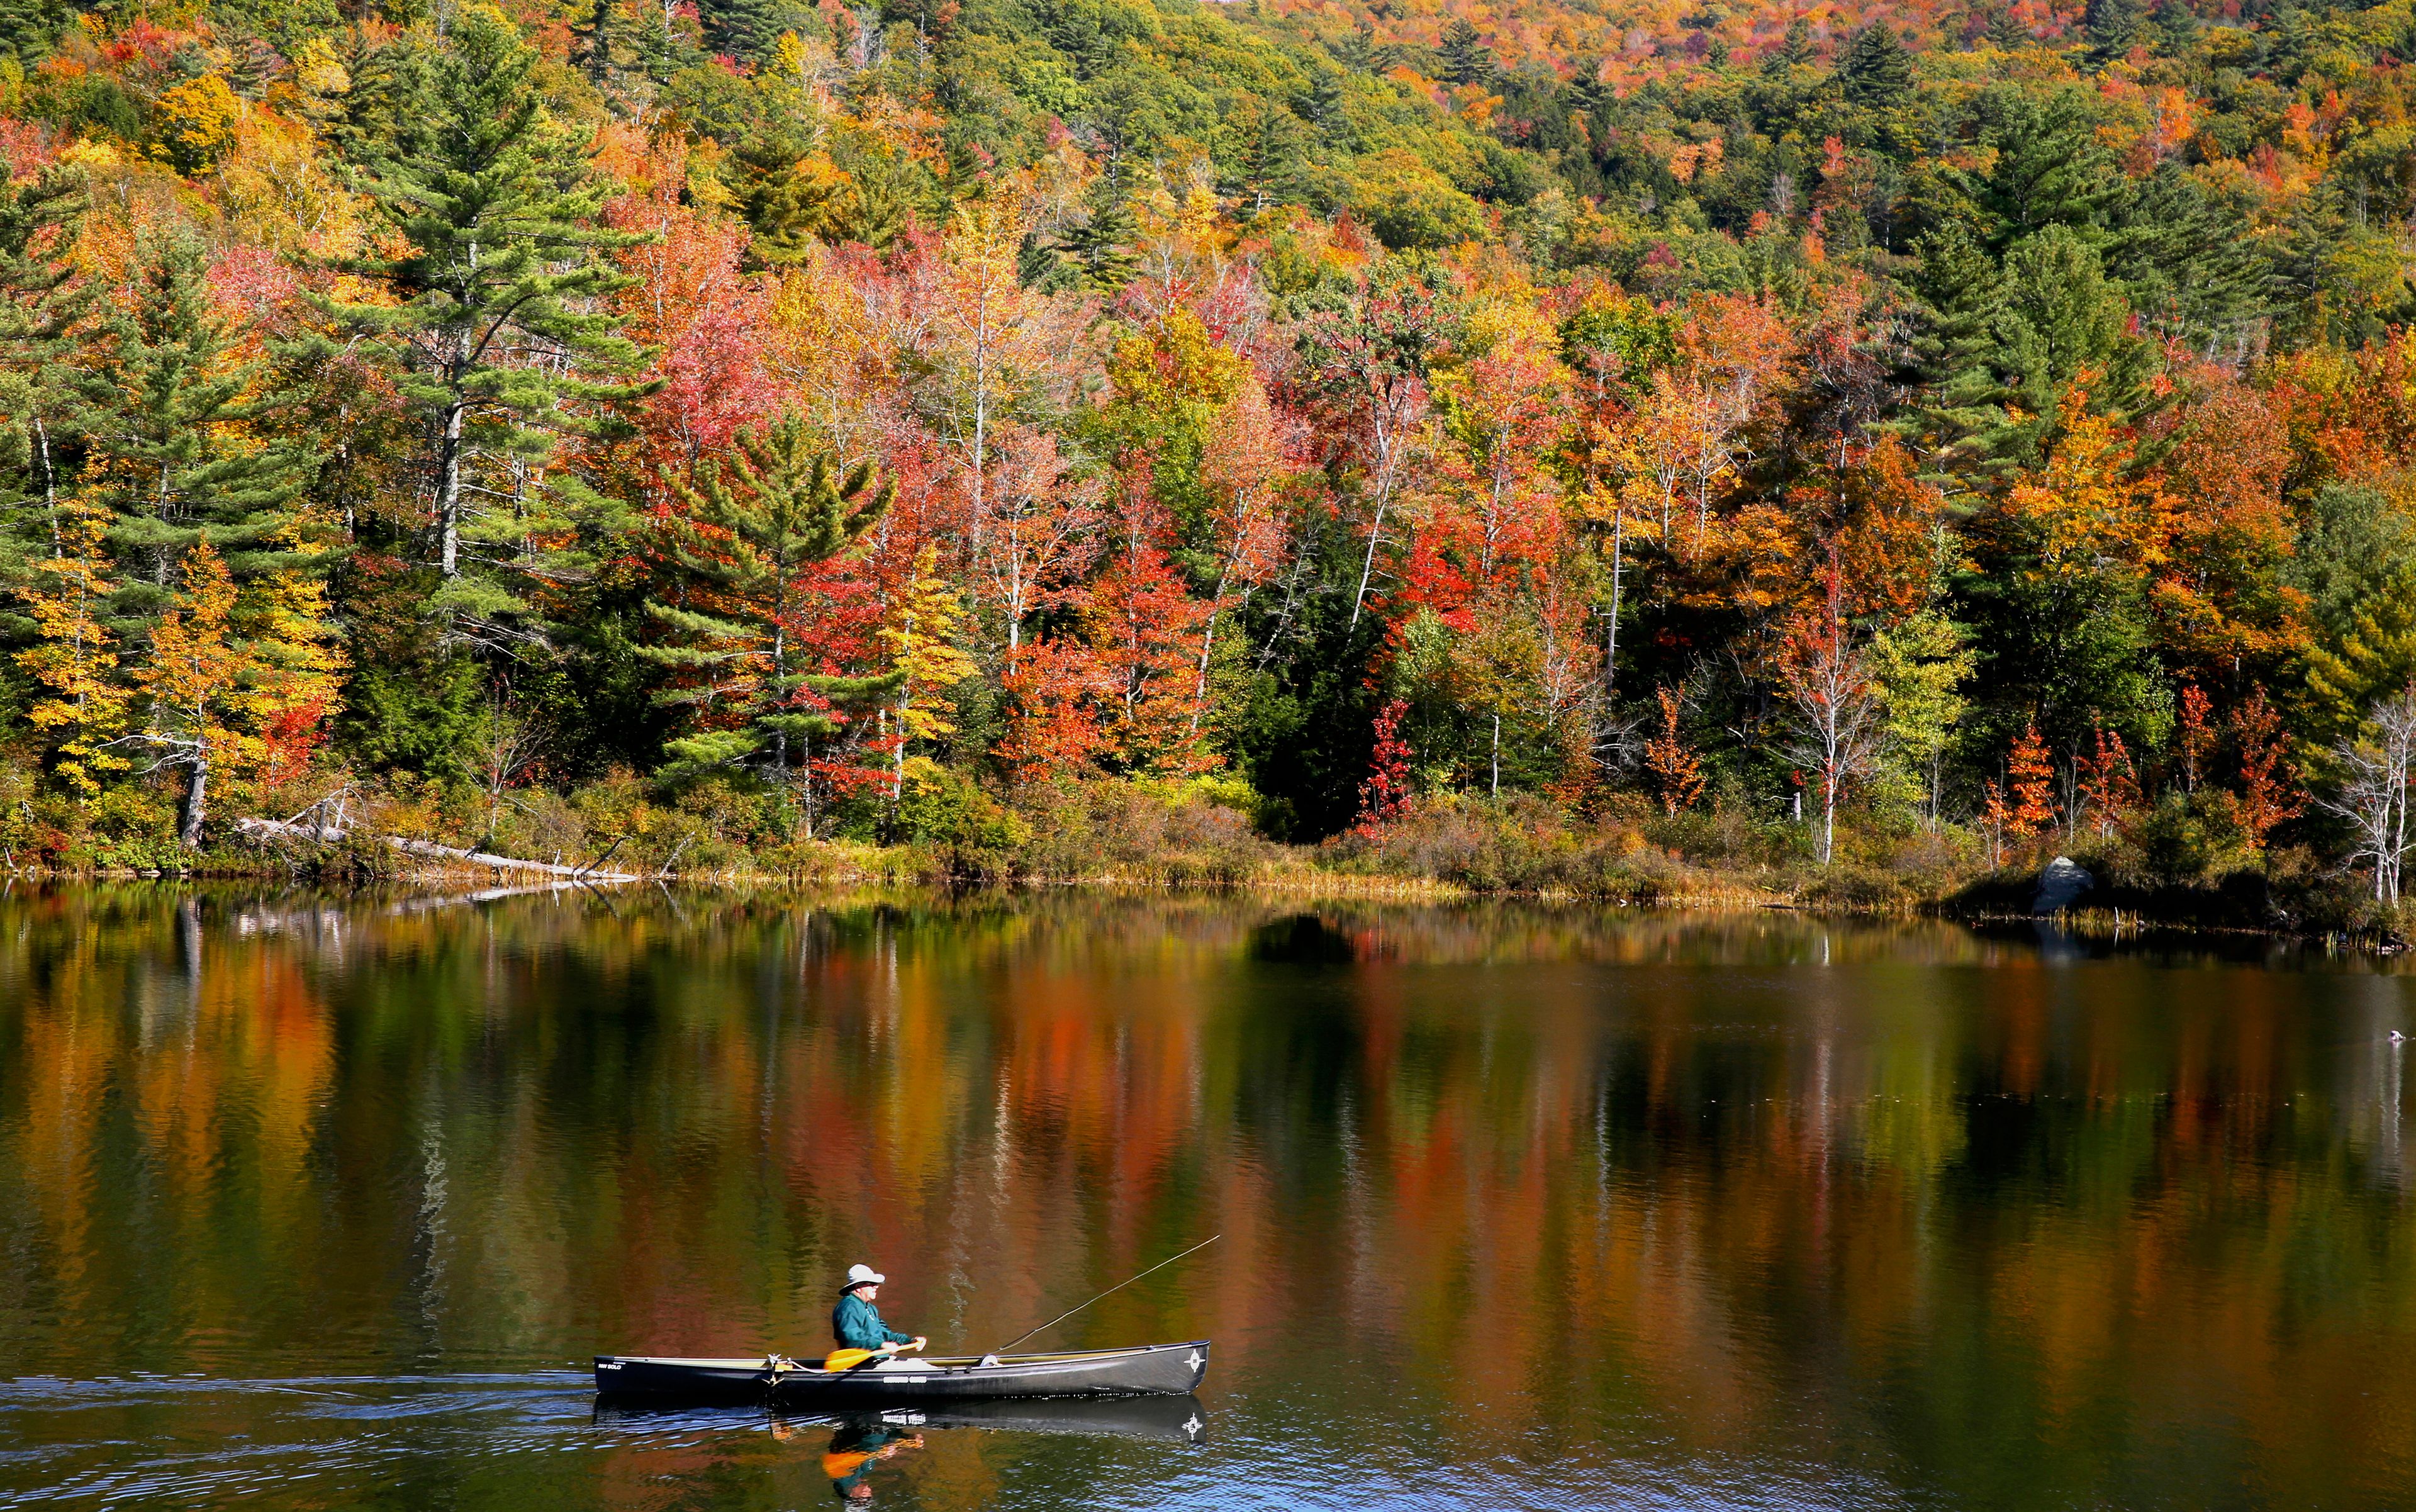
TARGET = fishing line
x,y
1109,1292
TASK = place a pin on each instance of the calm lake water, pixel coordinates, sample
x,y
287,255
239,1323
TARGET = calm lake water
x,y
312,1202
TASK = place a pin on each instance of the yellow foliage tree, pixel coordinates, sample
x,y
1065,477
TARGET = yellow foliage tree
x,y
921,633
234,683
295,669
194,123
75,660
193,681
2088,507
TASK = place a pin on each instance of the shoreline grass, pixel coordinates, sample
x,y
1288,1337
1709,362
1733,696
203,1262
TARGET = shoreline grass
x,y
1200,837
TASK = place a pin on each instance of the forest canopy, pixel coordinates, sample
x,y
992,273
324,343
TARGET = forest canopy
x,y
1962,427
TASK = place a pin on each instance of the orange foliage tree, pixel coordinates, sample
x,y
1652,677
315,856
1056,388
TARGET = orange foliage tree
x,y
2108,785
2030,775
1677,771
2269,788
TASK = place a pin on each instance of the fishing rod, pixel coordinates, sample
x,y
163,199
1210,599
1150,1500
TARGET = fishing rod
x,y
1109,1292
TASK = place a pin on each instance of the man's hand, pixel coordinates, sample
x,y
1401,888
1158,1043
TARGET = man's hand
x,y
889,1346
919,1342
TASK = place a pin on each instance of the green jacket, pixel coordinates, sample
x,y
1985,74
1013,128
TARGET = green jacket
x,y
857,1325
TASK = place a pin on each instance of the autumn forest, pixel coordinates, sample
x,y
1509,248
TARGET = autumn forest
x,y
1862,449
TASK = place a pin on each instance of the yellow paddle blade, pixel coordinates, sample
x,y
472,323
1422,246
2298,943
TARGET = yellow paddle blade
x,y
848,1359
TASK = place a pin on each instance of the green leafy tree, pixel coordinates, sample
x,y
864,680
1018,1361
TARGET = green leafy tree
x,y
1921,666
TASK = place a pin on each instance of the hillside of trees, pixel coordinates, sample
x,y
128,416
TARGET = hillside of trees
x,y
1887,441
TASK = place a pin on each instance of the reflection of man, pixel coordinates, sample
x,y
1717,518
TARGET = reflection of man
x,y
857,1323
852,1451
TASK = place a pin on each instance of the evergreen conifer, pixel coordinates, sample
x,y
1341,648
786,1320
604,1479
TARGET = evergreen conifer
x,y
744,547
1466,59
2113,27
1877,73
29,29
1099,246
1794,49
494,331
175,452
43,393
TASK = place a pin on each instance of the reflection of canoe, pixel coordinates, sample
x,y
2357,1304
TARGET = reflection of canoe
x,y
1151,1371
1130,1417
1179,1418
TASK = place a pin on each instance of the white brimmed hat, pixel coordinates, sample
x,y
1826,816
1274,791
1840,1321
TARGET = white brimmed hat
x,y
863,1276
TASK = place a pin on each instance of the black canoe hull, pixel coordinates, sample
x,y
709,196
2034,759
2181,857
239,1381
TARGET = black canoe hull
x,y
1179,1419
1153,1370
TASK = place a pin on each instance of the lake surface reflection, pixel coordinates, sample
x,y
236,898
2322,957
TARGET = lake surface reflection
x,y
312,1203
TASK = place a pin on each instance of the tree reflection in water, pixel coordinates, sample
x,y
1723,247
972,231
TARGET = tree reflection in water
x,y
1515,1199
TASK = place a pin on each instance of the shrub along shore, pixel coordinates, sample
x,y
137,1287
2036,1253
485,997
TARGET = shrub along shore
x,y
2173,866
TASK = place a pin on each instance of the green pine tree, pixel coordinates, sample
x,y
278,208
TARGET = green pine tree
x,y
1268,149
1794,49
884,192
1099,246
594,37
2339,278
661,41
792,203
2004,32
495,337
744,545
1466,59
2003,344
172,447
2113,27
1357,49
2190,264
2172,28
29,29
1877,73
2045,164
43,393
741,29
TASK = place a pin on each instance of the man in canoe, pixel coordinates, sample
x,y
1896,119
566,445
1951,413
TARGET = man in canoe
x,y
857,1323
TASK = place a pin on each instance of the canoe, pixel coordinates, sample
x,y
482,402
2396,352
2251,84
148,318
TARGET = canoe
x,y
1178,1419
1151,1371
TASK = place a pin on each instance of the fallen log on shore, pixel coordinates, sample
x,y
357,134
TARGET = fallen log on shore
x,y
430,850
